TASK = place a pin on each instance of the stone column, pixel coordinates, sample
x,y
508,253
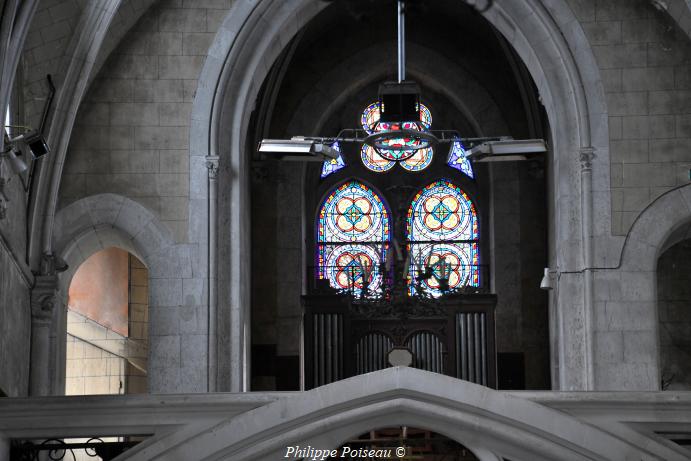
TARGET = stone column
x,y
43,301
587,154
212,166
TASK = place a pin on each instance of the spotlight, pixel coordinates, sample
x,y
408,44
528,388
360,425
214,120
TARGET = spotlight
x,y
33,143
37,144
507,150
547,282
298,149
14,158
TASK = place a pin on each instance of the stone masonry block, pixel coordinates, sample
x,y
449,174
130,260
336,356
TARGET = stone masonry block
x,y
194,350
628,103
640,347
623,55
603,33
629,151
184,67
636,127
112,90
163,321
166,292
182,20
146,137
609,347
158,91
669,102
629,315
196,43
670,150
635,199
174,161
649,174
662,126
683,127
133,114
165,352
132,67
174,114
648,78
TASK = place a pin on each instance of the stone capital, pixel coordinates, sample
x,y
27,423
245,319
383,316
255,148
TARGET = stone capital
x,y
44,298
212,166
587,154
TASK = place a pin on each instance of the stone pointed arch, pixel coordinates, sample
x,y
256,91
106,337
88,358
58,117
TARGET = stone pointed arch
x,y
492,424
550,41
100,221
97,221
652,230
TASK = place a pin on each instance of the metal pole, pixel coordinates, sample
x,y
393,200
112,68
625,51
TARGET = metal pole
x,y
401,40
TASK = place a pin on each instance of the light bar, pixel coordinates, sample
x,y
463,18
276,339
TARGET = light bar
x,y
298,149
507,150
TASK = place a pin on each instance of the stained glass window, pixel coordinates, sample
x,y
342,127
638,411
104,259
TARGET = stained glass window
x,y
442,230
458,160
333,165
386,159
353,236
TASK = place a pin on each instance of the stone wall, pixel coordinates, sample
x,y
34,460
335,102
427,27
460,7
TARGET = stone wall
x,y
15,281
645,65
131,136
15,327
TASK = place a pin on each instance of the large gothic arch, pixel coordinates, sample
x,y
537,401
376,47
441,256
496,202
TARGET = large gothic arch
x,y
492,424
549,40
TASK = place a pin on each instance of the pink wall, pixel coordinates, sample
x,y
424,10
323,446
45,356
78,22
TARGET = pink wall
x,y
99,289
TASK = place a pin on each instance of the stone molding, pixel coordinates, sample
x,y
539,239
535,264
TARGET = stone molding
x,y
653,227
526,426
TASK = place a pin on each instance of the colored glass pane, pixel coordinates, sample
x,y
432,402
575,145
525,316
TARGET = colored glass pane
x,y
352,267
458,160
370,118
442,230
427,268
333,165
419,161
374,161
353,231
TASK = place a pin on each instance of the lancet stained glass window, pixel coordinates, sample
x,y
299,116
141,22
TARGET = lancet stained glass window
x,y
353,235
388,158
443,239
335,164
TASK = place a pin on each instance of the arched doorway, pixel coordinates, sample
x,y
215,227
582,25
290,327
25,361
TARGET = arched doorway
x,y
674,315
107,325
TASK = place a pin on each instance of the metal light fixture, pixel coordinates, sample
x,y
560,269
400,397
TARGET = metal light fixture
x,y
547,282
298,149
506,150
15,160
400,133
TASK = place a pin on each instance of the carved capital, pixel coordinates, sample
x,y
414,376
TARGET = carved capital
x,y
587,154
44,298
212,166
